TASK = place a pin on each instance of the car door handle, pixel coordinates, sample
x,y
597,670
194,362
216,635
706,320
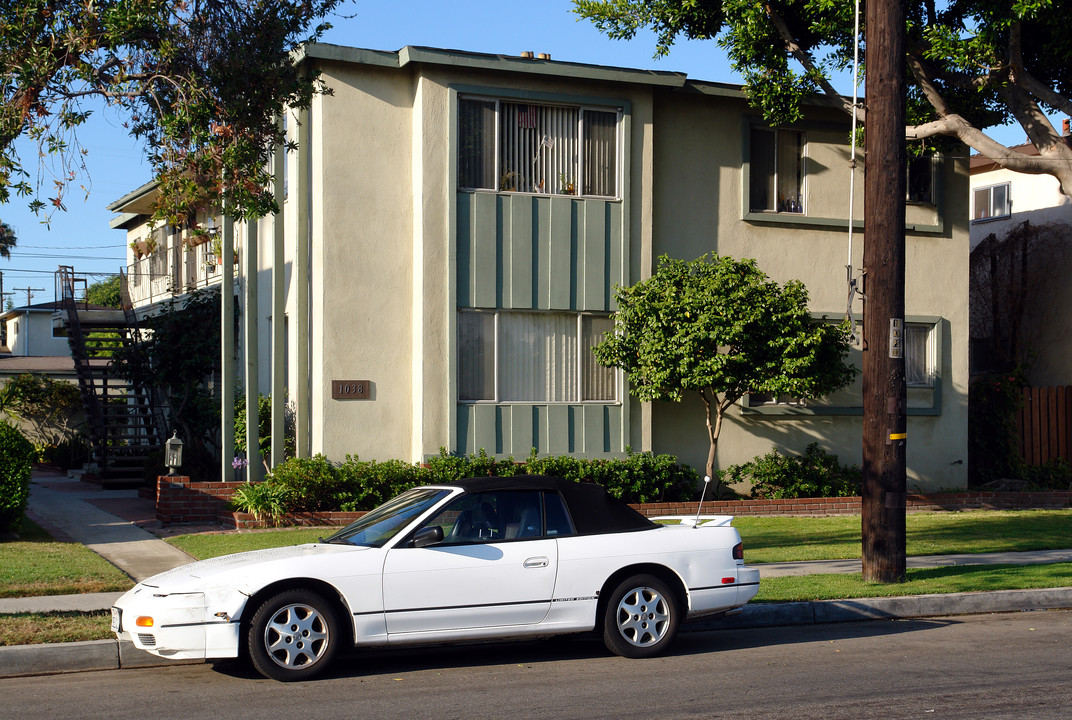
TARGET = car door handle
x,y
536,562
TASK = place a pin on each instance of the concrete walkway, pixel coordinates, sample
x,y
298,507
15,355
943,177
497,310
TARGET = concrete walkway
x,y
63,503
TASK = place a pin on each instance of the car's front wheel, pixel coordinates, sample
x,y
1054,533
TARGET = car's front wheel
x,y
641,617
293,635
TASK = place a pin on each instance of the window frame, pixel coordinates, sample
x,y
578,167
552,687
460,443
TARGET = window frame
x,y
496,355
803,165
931,170
579,166
937,339
990,202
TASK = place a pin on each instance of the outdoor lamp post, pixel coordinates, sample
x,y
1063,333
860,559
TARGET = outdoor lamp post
x,y
173,453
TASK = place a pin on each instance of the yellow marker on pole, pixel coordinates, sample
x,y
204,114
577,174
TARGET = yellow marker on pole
x,y
898,436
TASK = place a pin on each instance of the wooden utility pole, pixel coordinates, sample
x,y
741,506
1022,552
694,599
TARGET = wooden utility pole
x,y
883,505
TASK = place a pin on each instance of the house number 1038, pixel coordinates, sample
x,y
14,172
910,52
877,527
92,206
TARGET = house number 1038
x,y
351,390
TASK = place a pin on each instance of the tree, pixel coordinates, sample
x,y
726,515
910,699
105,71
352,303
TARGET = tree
x,y
719,327
105,292
1014,294
180,353
50,407
7,240
970,67
201,82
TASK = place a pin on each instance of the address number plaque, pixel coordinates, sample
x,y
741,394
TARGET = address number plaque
x,y
351,389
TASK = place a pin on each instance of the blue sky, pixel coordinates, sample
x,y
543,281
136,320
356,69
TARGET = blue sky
x,y
81,236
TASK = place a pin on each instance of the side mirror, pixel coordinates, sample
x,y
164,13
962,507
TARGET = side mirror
x,y
426,536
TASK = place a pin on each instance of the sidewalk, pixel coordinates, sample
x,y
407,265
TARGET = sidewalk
x,y
116,524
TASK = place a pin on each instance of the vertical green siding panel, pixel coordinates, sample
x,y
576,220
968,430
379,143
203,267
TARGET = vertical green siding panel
x,y
484,262
517,275
484,427
562,242
558,429
542,254
593,426
615,427
522,431
464,441
502,429
593,268
465,250
615,252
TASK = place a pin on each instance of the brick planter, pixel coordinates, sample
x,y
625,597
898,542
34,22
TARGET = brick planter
x,y
180,501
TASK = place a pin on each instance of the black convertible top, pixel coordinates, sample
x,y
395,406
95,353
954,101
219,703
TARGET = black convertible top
x,y
593,511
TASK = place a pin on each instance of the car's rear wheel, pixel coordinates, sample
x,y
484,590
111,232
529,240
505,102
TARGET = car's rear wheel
x,y
293,635
641,617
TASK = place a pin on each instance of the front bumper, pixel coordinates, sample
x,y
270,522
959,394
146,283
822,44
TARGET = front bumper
x,y
183,626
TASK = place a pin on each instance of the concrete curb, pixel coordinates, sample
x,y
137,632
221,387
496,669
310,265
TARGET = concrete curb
x,y
54,658
889,608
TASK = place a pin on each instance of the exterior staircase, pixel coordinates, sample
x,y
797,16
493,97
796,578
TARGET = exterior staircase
x,y
125,424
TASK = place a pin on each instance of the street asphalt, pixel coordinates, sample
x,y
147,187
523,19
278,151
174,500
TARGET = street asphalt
x,y
72,510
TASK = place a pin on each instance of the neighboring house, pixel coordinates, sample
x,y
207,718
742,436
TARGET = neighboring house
x,y
36,331
1002,201
454,226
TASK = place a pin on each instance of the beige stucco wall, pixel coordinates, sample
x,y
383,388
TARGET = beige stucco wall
x,y
362,258
698,209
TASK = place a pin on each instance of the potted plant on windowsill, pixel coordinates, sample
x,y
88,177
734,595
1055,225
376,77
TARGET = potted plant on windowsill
x,y
216,251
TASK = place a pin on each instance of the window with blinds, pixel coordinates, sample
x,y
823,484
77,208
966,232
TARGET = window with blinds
x,y
540,357
547,149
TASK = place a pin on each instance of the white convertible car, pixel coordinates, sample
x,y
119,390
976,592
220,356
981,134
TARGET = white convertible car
x,y
476,559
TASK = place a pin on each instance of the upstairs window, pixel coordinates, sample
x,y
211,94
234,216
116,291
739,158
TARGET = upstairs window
x,y
546,149
776,171
991,202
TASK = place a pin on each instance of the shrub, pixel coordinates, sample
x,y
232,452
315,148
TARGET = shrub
x,y
364,485
16,460
637,478
311,483
263,499
816,473
1054,475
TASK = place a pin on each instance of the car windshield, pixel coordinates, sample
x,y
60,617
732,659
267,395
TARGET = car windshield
x,y
375,528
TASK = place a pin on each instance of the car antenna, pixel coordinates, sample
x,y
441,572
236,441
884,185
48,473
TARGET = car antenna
x,y
699,506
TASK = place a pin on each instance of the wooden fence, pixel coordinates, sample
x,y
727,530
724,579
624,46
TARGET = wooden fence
x,y
1045,423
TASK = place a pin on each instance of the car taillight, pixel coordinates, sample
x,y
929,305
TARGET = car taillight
x,y
738,551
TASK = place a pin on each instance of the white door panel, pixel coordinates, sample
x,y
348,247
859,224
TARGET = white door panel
x,y
469,586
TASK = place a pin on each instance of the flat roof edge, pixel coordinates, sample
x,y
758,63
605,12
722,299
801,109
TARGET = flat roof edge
x,y
485,61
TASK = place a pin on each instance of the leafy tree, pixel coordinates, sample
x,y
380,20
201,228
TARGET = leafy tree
x,y
7,240
719,327
179,354
50,407
971,65
201,82
105,292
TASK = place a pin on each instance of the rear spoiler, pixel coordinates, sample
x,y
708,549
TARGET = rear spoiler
x,y
697,520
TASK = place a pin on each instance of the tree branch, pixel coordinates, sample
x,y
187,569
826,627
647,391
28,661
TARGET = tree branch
x,y
804,58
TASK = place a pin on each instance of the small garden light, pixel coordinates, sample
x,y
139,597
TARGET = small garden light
x,y
173,453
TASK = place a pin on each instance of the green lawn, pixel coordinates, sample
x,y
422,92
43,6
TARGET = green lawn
x,y
55,627
35,564
211,545
785,539
921,581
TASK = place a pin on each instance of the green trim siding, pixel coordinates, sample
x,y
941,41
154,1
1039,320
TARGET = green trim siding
x,y
591,430
538,252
